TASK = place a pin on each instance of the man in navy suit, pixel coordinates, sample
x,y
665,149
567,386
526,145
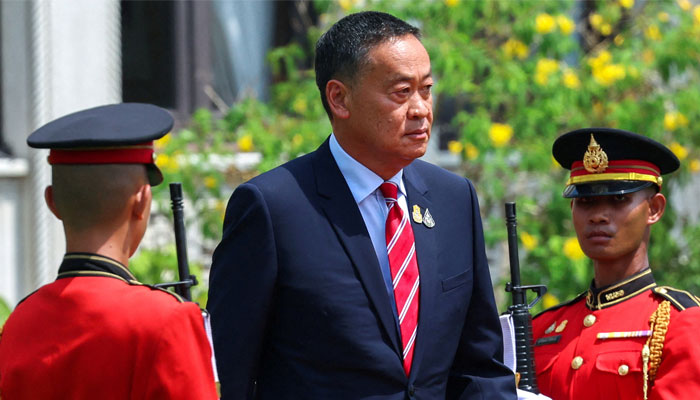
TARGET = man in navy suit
x,y
303,292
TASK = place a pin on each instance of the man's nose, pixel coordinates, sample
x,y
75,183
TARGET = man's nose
x,y
420,108
599,215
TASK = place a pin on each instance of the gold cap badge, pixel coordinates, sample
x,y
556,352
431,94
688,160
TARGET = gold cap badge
x,y
595,160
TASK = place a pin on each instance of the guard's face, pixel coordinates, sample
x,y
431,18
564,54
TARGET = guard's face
x,y
610,228
391,105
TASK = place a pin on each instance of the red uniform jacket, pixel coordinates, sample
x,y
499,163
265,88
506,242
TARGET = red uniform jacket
x,y
96,333
591,347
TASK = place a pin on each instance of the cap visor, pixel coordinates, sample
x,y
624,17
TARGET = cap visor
x,y
604,188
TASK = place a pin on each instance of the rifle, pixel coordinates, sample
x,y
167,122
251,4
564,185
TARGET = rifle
x,y
520,310
182,287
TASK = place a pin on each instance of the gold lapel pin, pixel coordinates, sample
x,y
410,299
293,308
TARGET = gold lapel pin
x,y
417,217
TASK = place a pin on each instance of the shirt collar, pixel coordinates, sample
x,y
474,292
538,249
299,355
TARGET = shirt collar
x,y
360,179
599,298
88,264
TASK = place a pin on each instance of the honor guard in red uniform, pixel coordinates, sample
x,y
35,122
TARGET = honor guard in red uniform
x,y
96,332
625,337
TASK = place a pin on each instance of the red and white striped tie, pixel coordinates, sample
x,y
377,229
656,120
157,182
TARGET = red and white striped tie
x,y
404,270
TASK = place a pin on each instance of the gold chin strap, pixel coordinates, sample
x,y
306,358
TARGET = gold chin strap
x,y
651,353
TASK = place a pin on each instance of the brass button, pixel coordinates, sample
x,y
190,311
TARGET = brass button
x,y
589,320
577,362
623,370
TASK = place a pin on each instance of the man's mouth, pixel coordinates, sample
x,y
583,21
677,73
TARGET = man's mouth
x,y
599,235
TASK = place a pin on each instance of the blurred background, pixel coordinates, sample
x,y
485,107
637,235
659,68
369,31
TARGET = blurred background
x,y
238,76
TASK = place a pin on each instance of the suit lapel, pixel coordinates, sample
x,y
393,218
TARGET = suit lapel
x,y
426,252
345,218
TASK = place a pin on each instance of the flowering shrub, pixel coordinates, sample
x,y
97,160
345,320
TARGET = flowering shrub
x,y
521,73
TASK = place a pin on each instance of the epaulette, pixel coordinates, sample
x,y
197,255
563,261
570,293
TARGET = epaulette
x,y
560,305
679,298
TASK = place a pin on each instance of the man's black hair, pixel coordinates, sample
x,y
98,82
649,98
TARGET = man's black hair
x,y
342,51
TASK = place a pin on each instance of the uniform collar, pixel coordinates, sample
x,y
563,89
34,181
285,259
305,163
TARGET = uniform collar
x,y
88,264
599,298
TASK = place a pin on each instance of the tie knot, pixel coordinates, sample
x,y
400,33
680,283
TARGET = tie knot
x,y
390,191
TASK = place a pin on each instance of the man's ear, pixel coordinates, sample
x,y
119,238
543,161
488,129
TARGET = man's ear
x,y
142,202
337,96
657,206
48,197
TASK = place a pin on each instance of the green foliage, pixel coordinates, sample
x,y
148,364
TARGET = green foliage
x,y
520,73
4,311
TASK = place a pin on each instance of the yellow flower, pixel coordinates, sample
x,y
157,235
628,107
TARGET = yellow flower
x,y
455,147
673,120
670,121
603,58
451,3
606,29
684,4
245,143
162,142
514,47
529,241
545,23
571,79
545,67
619,39
166,163
695,165
471,151
500,134
663,16
679,150
566,25
696,14
297,140
346,5
652,32
210,182
609,74
549,300
648,56
596,20
573,250
299,105
627,3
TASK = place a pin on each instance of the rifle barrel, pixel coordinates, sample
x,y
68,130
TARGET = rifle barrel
x,y
183,267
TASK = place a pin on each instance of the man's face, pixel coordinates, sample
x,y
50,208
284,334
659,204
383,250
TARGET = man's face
x,y
391,106
610,227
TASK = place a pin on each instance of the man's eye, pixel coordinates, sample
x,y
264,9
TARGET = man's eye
x,y
620,197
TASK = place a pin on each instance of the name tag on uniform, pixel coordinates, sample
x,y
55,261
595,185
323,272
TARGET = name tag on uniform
x,y
548,340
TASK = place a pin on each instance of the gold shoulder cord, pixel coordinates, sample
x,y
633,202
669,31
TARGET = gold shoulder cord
x,y
651,353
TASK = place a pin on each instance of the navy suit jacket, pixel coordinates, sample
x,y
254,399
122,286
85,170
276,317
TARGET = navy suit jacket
x,y
300,309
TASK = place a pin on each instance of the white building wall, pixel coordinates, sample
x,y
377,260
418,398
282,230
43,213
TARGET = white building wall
x,y
58,56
